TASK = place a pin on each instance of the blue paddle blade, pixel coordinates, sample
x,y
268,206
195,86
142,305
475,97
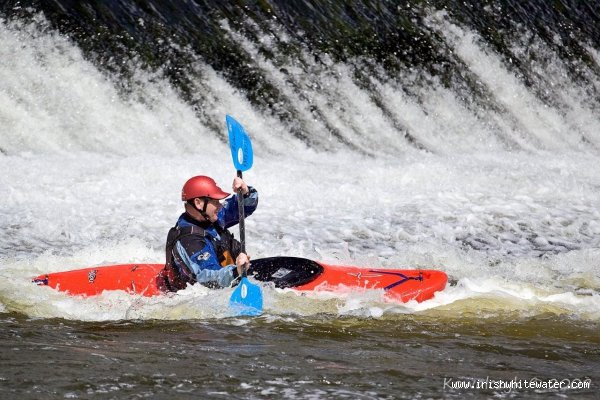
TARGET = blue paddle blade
x,y
246,299
240,145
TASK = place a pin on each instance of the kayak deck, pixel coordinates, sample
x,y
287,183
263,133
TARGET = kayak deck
x,y
306,275
285,272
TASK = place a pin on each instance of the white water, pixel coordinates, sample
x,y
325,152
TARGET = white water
x,y
89,177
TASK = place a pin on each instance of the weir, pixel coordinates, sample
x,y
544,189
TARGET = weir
x,y
375,77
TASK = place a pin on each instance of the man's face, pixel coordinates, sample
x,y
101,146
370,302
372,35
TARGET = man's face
x,y
213,207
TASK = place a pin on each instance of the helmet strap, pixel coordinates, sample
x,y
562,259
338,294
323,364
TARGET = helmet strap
x,y
203,210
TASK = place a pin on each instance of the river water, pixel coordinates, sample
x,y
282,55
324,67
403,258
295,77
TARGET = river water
x,y
395,357
493,179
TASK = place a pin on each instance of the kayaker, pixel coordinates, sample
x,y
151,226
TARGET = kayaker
x,y
199,247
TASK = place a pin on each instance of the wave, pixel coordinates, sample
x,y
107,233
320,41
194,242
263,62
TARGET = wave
x,y
486,294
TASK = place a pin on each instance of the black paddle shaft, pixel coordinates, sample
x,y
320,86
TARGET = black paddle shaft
x,y
241,216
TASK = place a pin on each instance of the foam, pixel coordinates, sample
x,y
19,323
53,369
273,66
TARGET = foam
x,y
92,177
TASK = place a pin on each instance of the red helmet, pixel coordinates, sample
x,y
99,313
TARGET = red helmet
x,y
202,186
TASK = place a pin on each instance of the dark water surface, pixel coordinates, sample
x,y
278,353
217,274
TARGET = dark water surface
x,y
403,356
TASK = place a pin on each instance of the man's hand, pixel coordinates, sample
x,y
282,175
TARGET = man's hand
x,y
242,262
238,183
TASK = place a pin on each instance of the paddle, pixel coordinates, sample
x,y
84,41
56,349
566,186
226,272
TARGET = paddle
x,y
247,298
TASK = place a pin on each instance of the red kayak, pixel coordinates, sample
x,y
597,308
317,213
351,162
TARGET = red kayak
x,y
285,272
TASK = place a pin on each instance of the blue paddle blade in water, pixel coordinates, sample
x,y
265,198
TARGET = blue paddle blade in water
x,y
246,299
240,145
